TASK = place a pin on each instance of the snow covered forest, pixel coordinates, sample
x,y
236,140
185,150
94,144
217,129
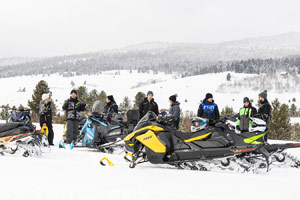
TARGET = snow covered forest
x,y
254,55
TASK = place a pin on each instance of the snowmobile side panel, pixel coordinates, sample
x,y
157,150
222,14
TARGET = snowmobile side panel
x,y
213,142
253,139
211,153
6,140
151,127
150,140
198,137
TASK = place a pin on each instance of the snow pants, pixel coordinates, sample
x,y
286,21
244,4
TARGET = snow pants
x,y
72,130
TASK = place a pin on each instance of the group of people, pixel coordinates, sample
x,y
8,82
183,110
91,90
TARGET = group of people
x,y
208,109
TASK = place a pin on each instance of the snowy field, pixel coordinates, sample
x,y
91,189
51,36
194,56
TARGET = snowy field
x,y
190,90
77,174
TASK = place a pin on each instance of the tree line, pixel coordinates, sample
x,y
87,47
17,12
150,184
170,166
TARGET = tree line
x,y
280,126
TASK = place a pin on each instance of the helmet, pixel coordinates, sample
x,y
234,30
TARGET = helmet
x,y
258,125
198,124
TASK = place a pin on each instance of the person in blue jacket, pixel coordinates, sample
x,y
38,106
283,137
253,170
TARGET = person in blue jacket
x,y
208,109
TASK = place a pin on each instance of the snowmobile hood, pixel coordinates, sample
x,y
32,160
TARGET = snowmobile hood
x,y
151,127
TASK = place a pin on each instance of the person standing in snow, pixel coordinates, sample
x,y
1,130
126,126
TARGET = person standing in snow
x,y
247,111
265,109
73,106
208,109
111,106
148,104
45,113
174,111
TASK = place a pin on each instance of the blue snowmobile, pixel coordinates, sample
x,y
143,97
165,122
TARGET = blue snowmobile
x,y
105,131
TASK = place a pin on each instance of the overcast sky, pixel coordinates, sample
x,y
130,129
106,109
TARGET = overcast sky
x,y
59,27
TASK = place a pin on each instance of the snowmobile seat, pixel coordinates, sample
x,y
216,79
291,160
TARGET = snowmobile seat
x,y
8,126
15,131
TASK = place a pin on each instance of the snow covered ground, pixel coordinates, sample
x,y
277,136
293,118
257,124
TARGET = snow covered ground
x,y
295,120
190,90
77,174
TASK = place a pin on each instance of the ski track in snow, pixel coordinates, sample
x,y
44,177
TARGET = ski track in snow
x,y
77,174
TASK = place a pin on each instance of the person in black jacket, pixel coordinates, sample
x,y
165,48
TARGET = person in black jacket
x,y
148,104
174,111
45,113
111,106
265,109
208,109
73,106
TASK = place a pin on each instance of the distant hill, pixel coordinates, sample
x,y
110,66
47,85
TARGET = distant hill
x,y
277,52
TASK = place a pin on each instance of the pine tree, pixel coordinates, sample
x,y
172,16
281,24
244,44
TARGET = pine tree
x,y
72,83
139,97
102,97
40,89
293,110
280,127
296,132
82,94
94,96
21,107
4,114
126,104
227,111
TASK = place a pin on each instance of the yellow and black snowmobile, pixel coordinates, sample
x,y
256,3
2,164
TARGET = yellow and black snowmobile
x,y
154,141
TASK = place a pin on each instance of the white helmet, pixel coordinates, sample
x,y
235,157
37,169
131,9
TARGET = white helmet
x,y
258,125
198,124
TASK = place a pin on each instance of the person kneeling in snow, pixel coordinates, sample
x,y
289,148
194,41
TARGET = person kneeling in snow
x,y
73,106
174,111
46,116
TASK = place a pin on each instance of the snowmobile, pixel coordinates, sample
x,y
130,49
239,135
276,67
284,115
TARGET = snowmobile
x,y
21,115
209,145
105,131
256,134
19,135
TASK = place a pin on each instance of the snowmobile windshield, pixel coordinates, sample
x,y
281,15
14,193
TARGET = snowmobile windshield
x,y
97,107
150,116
